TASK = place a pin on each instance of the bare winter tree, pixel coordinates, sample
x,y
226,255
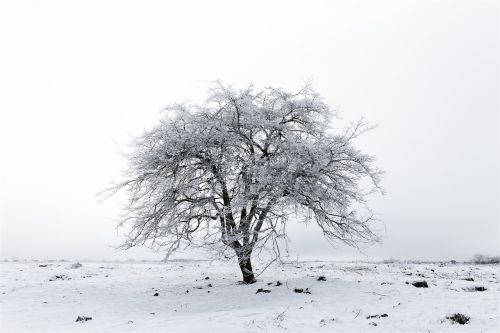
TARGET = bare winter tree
x,y
230,172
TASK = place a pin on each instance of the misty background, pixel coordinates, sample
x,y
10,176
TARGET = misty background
x,y
80,79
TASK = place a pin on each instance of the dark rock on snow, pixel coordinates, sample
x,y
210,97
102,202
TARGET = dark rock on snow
x,y
420,284
277,284
260,290
302,291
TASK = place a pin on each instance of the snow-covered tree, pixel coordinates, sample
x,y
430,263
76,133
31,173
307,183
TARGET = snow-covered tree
x,y
228,174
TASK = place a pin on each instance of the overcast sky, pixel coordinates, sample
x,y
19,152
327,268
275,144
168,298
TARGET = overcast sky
x,y
78,79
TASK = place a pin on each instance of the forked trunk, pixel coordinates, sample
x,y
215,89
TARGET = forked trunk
x,y
246,268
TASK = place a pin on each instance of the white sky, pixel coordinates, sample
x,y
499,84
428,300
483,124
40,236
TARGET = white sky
x,y
79,78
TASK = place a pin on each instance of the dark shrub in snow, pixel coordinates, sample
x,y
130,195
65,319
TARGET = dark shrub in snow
x,y
384,315
459,318
483,260
59,277
83,319
76,265
391,261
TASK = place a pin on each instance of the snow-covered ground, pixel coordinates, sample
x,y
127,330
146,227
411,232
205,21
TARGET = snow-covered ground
x,y
203,296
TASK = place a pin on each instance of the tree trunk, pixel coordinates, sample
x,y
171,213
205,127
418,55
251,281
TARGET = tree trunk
x,y
246,269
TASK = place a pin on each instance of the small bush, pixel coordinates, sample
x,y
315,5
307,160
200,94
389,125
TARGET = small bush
x,y
459,318
75,265
391,261
482,259
59,277
83,319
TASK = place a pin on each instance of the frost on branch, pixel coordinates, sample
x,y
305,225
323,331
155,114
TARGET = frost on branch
x,y
227,174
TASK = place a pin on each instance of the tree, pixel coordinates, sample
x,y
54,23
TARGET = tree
x,y
227,174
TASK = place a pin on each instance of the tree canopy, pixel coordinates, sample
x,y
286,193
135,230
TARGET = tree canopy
x,y
230,172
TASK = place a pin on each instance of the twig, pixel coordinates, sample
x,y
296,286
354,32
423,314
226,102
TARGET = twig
x,y
374,293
